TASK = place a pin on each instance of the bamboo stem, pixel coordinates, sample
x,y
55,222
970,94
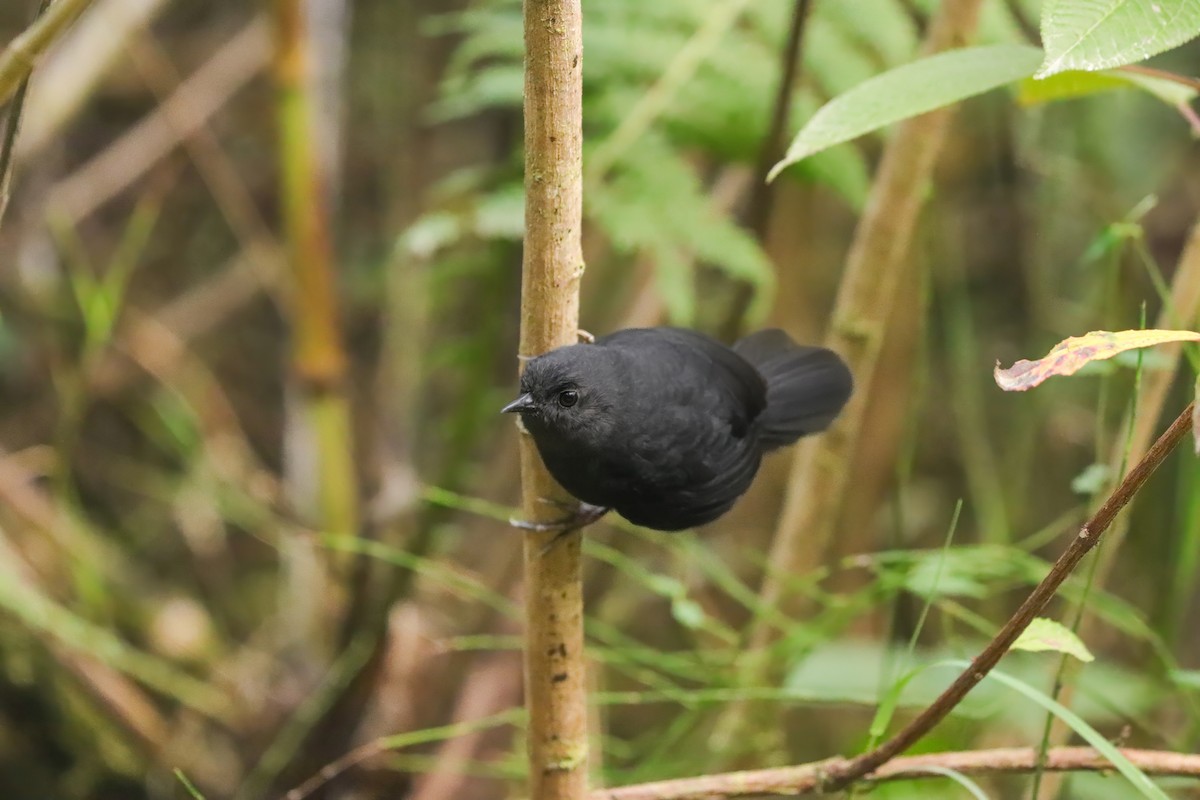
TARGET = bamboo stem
x,y
318,357
553,264
877,263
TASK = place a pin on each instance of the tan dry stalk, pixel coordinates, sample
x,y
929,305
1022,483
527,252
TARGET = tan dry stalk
x,y
205,92
555,685
878,262
876,265
68,78
319,359
18,58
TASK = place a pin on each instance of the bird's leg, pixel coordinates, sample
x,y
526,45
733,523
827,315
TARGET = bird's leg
x,y
581,516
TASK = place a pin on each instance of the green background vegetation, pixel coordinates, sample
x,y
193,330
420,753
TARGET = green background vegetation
x,y
177,584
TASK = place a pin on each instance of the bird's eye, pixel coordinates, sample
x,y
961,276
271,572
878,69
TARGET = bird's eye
x,y
568,398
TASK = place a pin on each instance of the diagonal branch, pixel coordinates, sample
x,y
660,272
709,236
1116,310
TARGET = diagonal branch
x,y
837,773
1088,537
807,779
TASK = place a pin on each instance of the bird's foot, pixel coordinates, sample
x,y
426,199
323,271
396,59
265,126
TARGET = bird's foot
x,y
585,337
580,516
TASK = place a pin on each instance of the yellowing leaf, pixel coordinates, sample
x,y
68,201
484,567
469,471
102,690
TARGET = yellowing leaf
x,y
1046,634
1067,357
1077,83
1064,85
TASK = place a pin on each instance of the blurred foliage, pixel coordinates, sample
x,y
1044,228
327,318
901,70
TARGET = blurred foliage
x,y
157,611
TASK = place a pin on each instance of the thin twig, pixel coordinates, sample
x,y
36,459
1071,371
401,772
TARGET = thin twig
x,y
11,129
18,58
762,192
762,197
807,779
1029,28
1089,535
1180,310
1162,74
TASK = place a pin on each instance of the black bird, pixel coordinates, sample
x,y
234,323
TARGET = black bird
x,y
668,426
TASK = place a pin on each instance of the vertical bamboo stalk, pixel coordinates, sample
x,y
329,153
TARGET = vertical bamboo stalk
x,y
875,265
555,684
879,259
318,357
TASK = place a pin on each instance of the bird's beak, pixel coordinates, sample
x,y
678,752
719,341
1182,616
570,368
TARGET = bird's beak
x,y
520,405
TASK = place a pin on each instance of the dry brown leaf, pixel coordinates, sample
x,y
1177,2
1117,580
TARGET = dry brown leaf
x,y
1070,355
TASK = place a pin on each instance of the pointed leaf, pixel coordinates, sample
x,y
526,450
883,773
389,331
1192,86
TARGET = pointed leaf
x,y
1046,634
1068,356
1099,34
910,90
1139,780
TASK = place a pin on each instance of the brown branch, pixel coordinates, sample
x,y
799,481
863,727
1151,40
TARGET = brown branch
x,y
1180,310
555,687
758,213
1088,537
808,779
1029,28
1162,75
762,192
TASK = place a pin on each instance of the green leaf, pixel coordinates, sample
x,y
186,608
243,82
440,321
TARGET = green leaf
x,y
1186,679
687,613
1077,83
910,90
1067,85
1099,34
1093,478
1046,634
1145,786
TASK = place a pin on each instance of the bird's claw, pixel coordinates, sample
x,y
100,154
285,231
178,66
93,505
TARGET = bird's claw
x,y
580,516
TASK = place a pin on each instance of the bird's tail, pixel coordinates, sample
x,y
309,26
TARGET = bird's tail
x,y
806,386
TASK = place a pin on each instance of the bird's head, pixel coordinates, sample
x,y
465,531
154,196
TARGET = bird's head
x,y
567,392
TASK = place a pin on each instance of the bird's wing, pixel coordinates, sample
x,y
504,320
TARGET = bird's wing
x,y
713,376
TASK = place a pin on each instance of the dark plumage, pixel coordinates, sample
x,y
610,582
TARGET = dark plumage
x,y
668,426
